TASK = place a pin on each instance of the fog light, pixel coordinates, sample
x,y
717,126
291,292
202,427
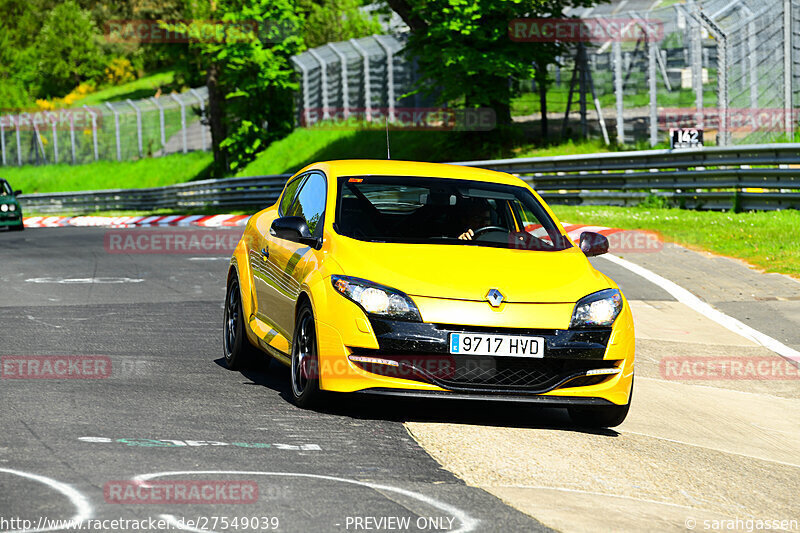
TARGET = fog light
x,y
373,360
601,371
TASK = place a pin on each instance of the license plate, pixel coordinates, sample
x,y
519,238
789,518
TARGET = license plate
x,y
498,345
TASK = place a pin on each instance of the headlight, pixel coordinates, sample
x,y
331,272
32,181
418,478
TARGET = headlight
x,y
12,207
377,299
598,309
3,208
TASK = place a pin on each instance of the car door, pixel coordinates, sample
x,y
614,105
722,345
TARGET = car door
x,y
260,265
286,265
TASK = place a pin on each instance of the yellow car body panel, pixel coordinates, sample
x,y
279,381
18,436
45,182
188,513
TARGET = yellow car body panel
x,y
448,284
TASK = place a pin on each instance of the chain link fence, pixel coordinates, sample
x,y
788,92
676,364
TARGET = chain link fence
x,y
729,67
367,77
120,131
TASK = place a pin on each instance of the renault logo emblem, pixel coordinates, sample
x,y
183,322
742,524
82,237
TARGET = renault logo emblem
x,y
494,297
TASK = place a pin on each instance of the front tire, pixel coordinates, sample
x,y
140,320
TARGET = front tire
x,y
305,364
603,416
236,348
17,228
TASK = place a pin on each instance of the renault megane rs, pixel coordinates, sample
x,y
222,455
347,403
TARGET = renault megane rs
x,y
431,280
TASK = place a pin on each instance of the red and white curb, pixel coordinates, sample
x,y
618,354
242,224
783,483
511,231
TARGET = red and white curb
x,y
205,221
574,230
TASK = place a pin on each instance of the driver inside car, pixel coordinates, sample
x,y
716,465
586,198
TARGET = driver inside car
x,y
476,216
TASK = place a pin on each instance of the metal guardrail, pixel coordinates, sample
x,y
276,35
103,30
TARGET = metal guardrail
x,y
706,178
231,192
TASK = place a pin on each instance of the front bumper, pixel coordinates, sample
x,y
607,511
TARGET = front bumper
x,y
9,218
354,359
420,352
537,399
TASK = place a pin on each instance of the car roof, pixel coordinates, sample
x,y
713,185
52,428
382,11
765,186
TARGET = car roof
x,y
384,167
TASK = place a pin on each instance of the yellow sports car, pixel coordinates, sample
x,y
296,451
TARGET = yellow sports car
x,y
421,279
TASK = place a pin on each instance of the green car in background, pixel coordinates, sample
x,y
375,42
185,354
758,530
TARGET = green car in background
x,y
10,211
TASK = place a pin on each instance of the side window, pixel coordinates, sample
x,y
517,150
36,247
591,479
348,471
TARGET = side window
x,y
289,194
310,203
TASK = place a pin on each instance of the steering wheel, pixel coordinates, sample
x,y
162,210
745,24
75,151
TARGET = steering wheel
x,y
488,228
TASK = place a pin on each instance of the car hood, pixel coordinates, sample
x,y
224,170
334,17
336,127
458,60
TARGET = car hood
x,y
8,199
468,272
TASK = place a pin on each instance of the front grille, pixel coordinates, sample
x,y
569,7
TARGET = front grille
x,y
490,330
399,337
471,372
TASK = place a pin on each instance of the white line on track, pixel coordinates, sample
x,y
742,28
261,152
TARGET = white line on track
x,y
73,281
467,522
692,301
82,506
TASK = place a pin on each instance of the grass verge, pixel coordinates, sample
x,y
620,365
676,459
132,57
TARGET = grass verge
x,y
151,172
763,239
144,87
557,97
308,145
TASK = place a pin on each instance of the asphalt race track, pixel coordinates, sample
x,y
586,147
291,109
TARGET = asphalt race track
x,y
159,320
167,408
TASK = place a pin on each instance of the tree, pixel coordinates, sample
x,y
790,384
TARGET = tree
x,y
464,53
12,92
328,21
249,75
68,49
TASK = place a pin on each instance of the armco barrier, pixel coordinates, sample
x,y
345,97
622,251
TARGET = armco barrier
x,y
705,178
231,192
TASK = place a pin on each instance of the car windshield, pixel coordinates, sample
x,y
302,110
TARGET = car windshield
x,y
444,211
5,188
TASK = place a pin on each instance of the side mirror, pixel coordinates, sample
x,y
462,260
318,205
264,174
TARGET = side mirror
x,y
17,192
293,229
593,243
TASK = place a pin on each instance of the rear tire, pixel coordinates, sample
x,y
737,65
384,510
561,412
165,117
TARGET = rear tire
x,y
305,363
236,348
602,416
